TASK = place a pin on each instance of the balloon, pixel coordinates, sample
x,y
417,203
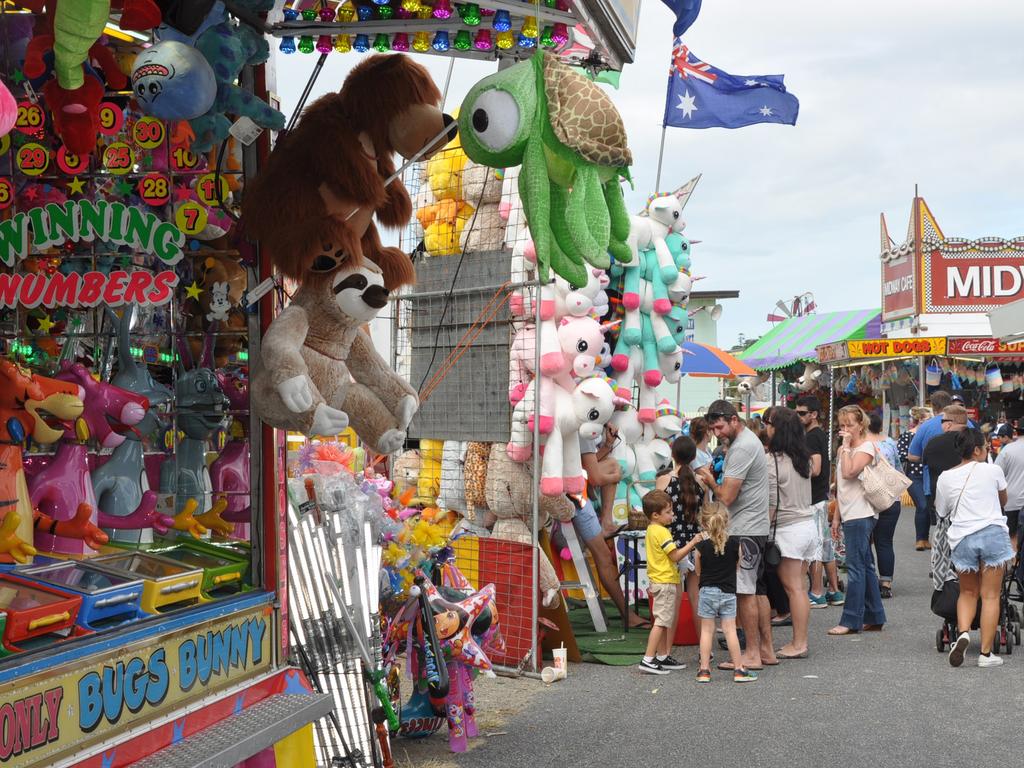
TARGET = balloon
x,y
173,81
418,719
8,110
454,622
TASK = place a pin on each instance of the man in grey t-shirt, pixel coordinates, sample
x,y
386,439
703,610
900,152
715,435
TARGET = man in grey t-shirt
x,y
744,490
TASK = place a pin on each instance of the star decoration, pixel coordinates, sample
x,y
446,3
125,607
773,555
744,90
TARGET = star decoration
x,y
182,193
123,188
766,111
687,104
76,186
454,621
193,291
45,324
31,193
751,82
147,161
18,76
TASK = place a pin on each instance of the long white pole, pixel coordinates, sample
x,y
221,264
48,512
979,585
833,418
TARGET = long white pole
x,y
661,157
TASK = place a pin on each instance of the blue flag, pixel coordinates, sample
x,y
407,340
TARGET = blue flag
x,y
686,13
703,96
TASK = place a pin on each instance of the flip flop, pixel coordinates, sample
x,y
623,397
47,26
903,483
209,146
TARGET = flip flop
x,y
643,624
768,663
781,655
840,631
785,621
616,532
728,666
872,628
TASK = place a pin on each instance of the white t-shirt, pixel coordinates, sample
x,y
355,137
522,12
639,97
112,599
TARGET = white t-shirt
x,y
853,504
978,506
1011,461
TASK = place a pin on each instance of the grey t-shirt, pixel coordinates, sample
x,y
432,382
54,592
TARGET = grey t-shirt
x,y
748,515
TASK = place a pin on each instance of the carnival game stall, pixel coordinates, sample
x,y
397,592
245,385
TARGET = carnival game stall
x,y
140,558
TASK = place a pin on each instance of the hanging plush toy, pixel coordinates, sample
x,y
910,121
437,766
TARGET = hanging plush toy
x,y
569,138
318,371
324,180
172,81
8,110
227,47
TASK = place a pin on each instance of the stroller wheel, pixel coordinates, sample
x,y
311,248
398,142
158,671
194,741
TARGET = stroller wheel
x,y
1016,634
940,641
1008,644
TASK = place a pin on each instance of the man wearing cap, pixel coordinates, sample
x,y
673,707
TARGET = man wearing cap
x,y
1011,461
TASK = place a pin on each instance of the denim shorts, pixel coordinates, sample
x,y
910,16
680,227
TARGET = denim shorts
x,y
586,522
989,547
826,554
713,603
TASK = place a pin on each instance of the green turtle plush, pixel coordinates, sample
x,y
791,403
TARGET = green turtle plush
x,y
569,138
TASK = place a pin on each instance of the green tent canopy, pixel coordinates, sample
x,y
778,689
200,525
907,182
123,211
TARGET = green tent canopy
x,y
795,339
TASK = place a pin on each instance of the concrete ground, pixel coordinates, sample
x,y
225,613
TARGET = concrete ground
x,y
886,699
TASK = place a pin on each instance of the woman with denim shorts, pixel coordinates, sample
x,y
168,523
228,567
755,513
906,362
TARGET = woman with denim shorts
x,y
972,496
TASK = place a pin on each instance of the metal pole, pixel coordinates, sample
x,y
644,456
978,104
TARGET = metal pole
x,y
831,411
661,156
922,382
773,388
536,481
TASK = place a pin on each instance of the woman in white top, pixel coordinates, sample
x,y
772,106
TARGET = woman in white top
x,y
789,505
972,495
863,608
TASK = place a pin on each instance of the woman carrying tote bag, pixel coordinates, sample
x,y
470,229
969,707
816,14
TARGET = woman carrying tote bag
x,y
972,496
863,608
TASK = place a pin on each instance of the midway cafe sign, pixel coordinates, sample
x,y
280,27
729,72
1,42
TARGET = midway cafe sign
x,y
973,280
39,229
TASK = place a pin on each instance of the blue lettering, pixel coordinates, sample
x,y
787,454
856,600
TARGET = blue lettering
x,y
203,660
113,692
238,645
90,703
257,629
159,679
135,682
187,670
221,653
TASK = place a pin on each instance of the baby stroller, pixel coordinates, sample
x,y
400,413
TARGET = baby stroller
x,y
947,592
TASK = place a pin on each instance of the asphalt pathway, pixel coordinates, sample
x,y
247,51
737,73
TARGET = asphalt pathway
x,y
885,699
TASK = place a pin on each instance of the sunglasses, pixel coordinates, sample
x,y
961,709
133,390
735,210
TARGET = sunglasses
x,y
802,413
714,416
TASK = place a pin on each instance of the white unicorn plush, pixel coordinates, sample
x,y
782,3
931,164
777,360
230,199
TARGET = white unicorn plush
x,y
664,215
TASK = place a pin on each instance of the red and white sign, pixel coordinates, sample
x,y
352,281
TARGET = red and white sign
x,y
984,346
899,284
972,281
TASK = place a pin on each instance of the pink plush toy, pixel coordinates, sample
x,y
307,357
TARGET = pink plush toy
x,y
582,412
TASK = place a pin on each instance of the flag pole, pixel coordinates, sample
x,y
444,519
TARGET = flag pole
x,y
661,157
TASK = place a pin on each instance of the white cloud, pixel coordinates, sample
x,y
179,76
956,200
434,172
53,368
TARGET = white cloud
x,y
891,94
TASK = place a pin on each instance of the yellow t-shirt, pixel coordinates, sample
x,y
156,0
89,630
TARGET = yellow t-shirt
x,y
660,569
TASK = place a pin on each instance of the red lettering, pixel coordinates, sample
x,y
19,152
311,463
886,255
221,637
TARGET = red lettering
x,y
32,290
25,712
62,290
138,282
9,289
113,294
92,289
8,731
53,698
163,288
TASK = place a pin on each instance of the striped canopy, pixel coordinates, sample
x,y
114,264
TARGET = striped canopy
x,y
794,340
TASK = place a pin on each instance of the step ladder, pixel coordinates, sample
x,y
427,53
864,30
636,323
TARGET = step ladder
x,y
243,735
585,579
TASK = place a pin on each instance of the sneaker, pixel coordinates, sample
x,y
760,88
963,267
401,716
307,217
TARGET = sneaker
x,y
669,663
652,668
956,653
990,661
885,592
704,676
817,601
744,676
835,598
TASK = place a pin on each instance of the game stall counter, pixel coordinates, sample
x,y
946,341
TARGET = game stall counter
x,y
143,594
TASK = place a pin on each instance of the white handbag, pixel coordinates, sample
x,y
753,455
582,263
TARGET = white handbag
x,y
883,483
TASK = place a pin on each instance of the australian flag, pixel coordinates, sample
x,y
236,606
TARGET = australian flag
x,y
702,96
686,12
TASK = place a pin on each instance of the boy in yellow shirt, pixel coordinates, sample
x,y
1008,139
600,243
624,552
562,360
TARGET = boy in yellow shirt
x,y
662,556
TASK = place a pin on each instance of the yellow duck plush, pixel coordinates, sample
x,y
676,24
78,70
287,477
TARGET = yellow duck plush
x,y
444,219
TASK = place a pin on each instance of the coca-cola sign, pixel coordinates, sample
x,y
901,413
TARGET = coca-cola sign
x,y
984,346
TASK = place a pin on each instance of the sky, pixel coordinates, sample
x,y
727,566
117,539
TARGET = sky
x,y
892,93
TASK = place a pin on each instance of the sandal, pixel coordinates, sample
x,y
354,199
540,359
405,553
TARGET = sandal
x,y
616,532
872,628
840,630
642,624
782,621
780,655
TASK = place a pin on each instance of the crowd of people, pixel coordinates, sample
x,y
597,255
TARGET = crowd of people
x,y
752,530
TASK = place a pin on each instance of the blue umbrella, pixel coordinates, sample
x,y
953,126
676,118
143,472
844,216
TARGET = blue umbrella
x,y
705,360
